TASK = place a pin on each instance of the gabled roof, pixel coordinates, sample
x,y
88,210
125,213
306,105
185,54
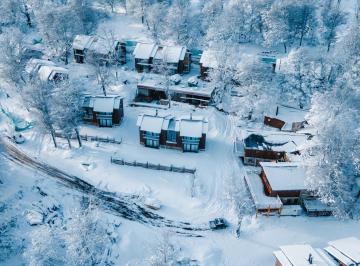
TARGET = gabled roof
x,y
172,54
145,50
101,103
152,123
284,176
346,250
34,64
82,42
298,255
192,126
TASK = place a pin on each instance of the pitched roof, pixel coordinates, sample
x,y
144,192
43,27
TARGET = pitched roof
x,y
34,64
284,176
298,255
347,250
145,50
192,126
82,42
209,59
101,103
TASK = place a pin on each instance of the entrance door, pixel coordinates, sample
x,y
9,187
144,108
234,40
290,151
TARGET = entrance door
x,y
152,143
105,122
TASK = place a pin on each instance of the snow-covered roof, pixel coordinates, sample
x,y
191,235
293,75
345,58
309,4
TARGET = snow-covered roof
x,y
170,54
256,189
209,59
316,205
284,176
298,255
102,104
289,115
150,123
48,72
145,50
189,127
34,64
102,46
192,126
346,250
82,42
274,140
153,84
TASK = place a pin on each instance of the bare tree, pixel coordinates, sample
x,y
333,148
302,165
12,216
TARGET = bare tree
x,y
164,251
39,97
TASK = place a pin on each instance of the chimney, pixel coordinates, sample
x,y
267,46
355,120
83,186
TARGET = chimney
x,y
310,259
190,116
156,112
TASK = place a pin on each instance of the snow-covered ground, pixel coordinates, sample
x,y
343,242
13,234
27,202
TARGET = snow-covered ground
x,y
184,197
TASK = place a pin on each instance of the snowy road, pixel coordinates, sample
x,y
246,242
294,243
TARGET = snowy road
x,y
122,205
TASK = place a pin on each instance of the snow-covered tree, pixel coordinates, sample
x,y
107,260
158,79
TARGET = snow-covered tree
x,y
290,22
59,26
11,55
44,247
68,111
40,98
164,251
333,162
89,240
331,18
155,18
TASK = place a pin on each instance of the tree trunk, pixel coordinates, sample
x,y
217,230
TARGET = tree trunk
x,y
328,46
68,141
104,89
27,15
284,47
66,56
78,137
54,138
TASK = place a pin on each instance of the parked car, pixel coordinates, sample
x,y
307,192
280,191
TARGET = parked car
x,y
218,223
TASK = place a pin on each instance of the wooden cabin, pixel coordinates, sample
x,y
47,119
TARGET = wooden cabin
x,y
99,49
286,118
301,255
345,251
50,73
152,90
208,61
285,180
159,58
268,146
314,207
186,133
103,111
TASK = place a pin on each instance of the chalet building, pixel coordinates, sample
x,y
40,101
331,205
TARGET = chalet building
x,y
346,251
269,146
52,73
208,61
286,118
97,48
186,133
301,255
313,206
284,180
104,111
159,58
152,90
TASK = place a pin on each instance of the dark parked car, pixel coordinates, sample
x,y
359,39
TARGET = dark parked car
x,y
218,223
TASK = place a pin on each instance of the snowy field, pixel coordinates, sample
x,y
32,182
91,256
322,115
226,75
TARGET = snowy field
x,y
217,189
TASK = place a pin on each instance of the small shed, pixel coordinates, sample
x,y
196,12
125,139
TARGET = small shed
x,y
187,133
208,61
52,73
345,251
286,118
286,180
315,207
300,255
144,54
80,45
104,111
33,65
